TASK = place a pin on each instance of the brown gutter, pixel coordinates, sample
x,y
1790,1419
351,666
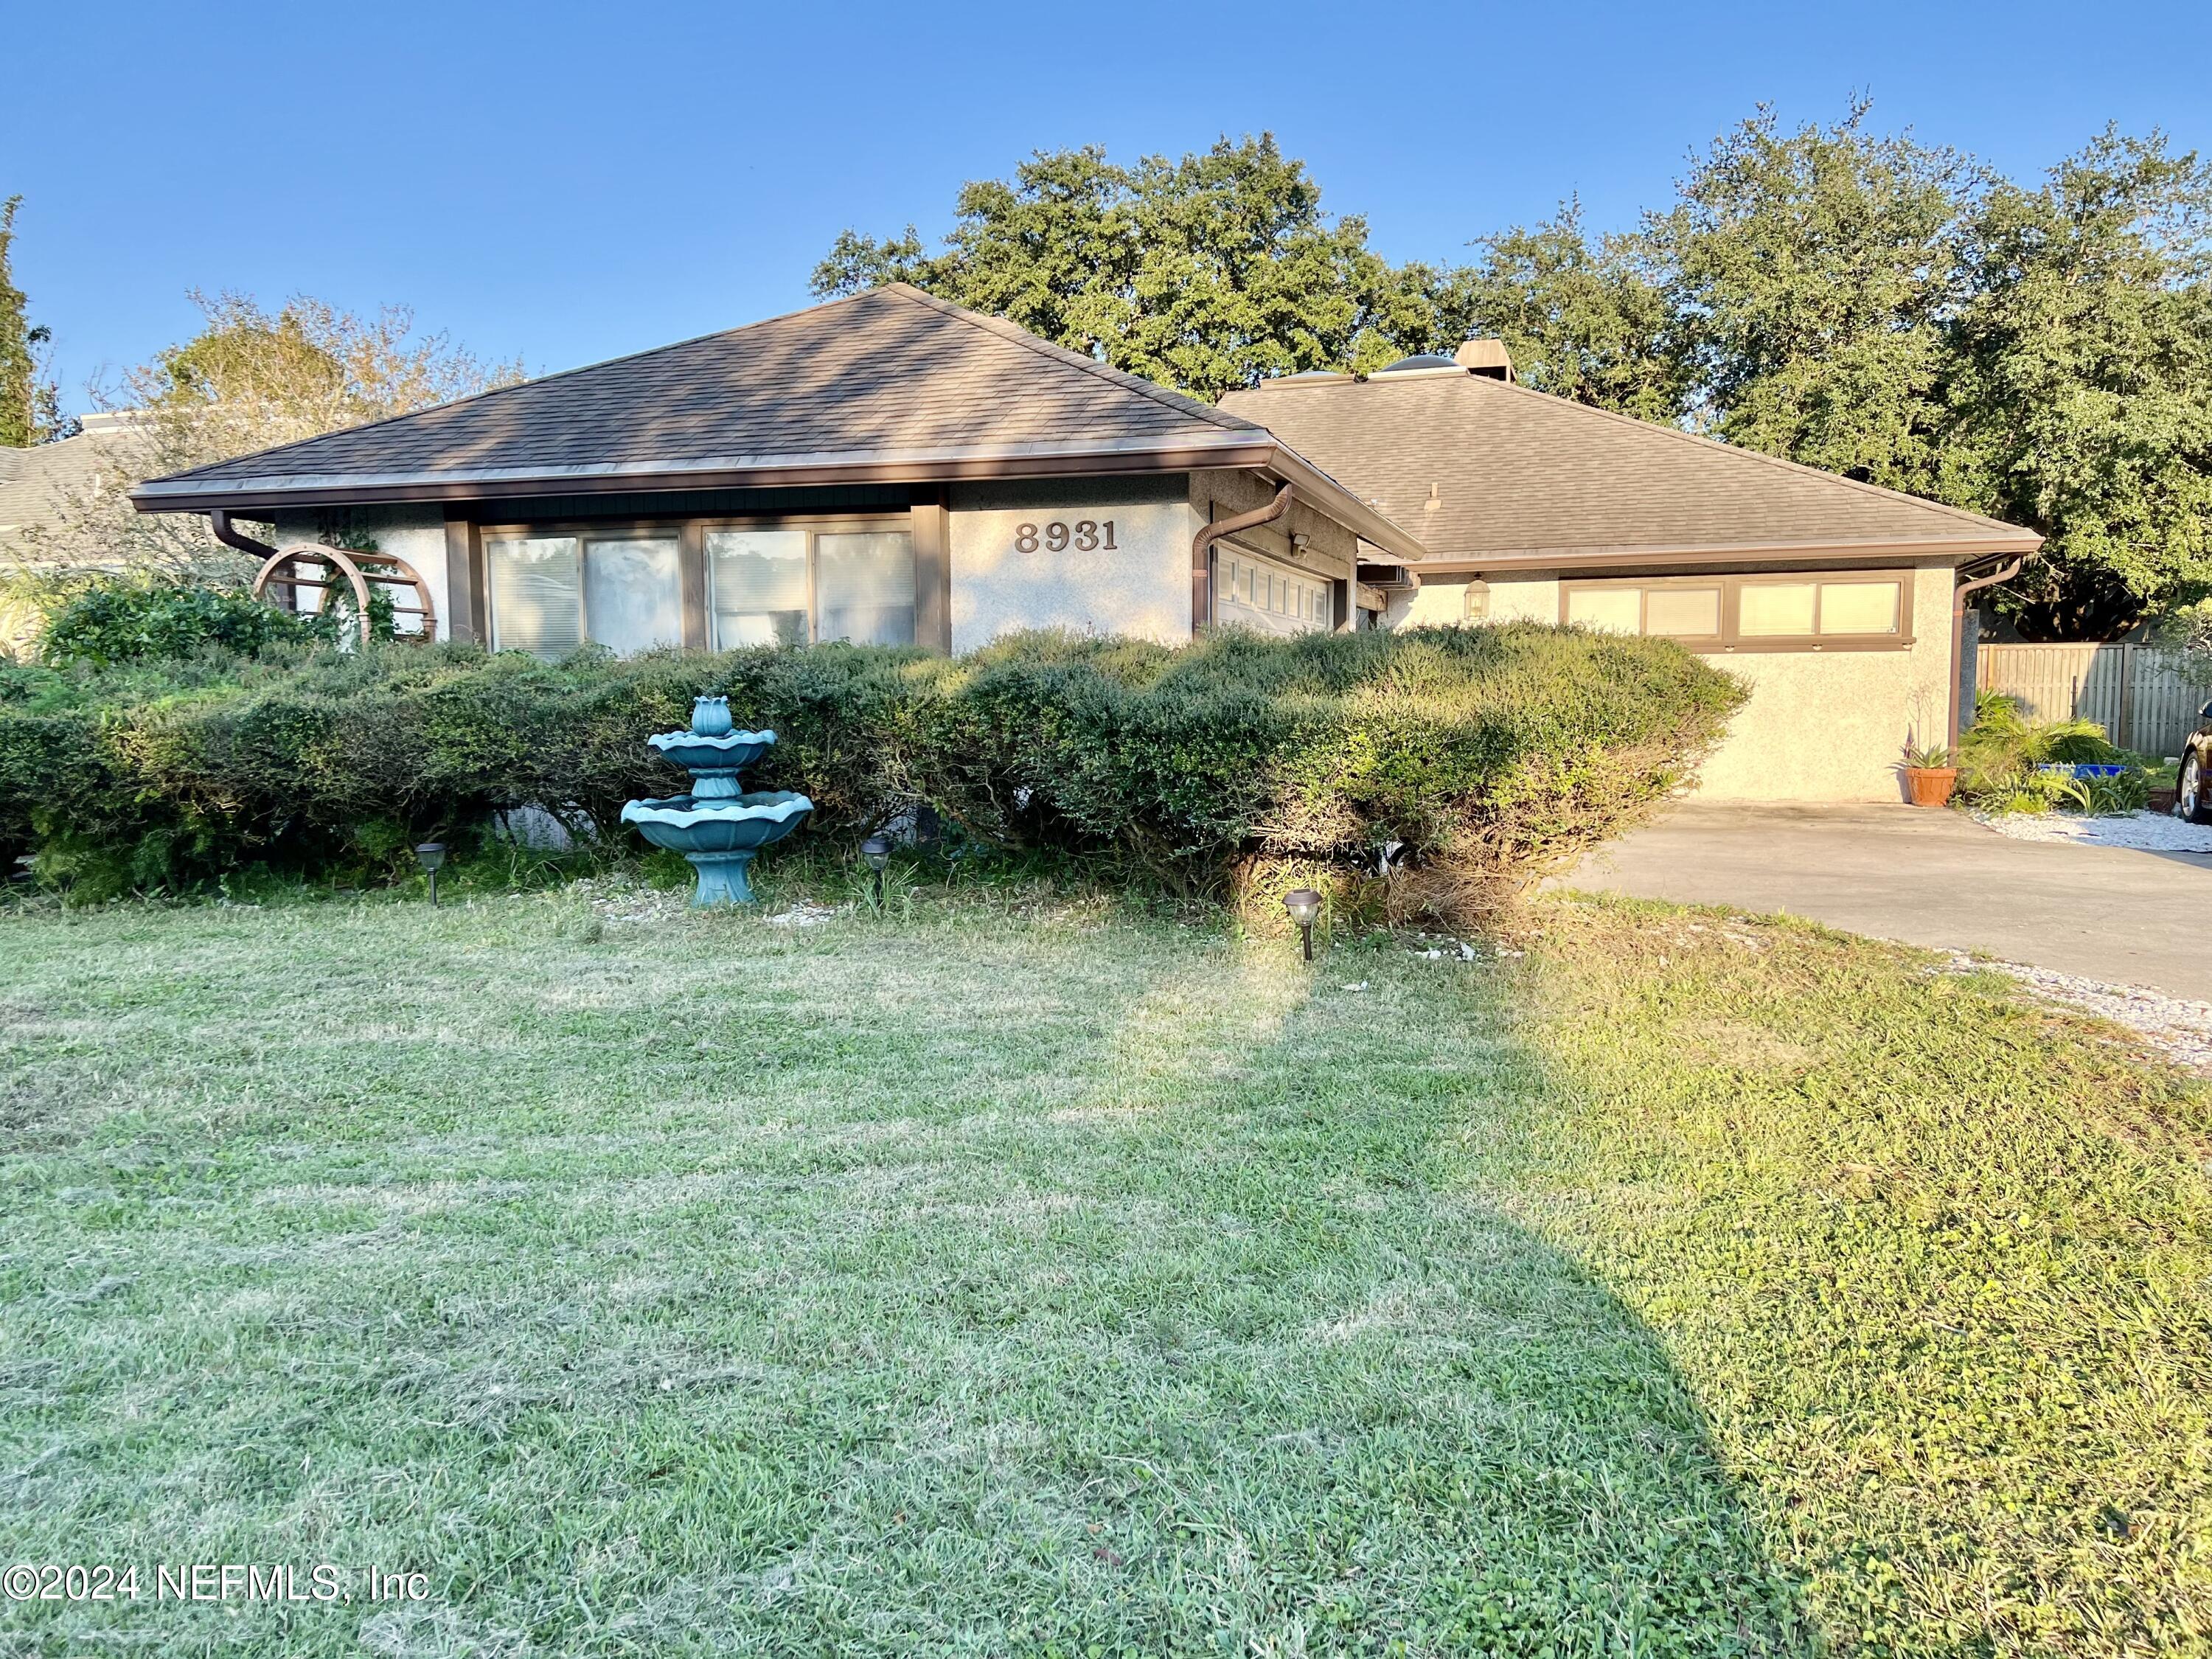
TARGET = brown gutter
x,y
1326,494
1959,629
261,554
1842,555
184,494
1201,548
219,521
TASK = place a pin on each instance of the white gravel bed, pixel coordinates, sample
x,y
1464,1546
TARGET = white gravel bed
x,y
2175,1026
623,898
2149,831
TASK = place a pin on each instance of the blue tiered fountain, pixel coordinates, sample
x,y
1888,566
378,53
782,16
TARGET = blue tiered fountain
x,y
715,826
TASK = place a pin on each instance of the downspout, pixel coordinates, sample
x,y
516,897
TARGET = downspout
x,y
1958,630
260,552
219,521
1202,546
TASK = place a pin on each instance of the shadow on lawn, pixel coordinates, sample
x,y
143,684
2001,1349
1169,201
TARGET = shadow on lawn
x,y
1006,1292
1253,1328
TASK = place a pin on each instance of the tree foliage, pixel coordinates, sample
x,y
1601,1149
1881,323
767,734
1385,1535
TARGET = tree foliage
x,y
1583,319
2042,355
1810,277
1855,300
249,380
1207,273
2084,406
30,405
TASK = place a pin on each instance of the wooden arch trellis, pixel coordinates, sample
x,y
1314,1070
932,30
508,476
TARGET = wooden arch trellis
x,y
285,569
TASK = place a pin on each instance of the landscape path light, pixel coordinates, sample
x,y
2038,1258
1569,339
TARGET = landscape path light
x,y
1305,905
430,856
877,852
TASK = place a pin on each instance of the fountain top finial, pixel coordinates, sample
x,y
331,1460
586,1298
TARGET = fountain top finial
x,y
710,717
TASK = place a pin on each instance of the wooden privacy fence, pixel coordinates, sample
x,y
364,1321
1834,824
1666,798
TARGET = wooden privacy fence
x,y
2145,697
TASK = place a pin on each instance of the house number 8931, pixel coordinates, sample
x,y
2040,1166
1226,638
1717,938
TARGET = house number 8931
x,y
1085,536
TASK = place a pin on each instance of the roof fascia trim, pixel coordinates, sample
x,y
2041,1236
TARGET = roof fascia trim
x,y
186,494
1948,549
1363,521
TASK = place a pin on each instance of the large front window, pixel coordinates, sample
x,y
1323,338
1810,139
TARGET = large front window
x,y
758,586
552,590
864,586
536,593
786,586
551,593
634,592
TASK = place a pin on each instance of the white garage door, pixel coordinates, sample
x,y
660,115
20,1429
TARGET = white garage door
x,y
1258,593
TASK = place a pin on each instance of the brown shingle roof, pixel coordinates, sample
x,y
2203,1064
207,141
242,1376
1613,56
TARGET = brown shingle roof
x,y
891,379
1517,475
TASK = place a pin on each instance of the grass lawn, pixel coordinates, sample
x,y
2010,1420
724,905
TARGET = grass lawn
x,y
1043,1279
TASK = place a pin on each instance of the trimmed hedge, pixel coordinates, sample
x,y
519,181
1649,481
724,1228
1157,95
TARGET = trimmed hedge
x,y
1495,748
120,622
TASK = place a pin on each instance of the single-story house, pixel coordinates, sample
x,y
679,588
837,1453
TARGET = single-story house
x,y
885,468
892,468
1834,599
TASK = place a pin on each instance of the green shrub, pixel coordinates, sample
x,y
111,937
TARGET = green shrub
x,y
1493,749
1999,757
112,622
2128,792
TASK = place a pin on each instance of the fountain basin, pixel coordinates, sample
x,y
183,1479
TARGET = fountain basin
x,y
694,823
731,751
719,834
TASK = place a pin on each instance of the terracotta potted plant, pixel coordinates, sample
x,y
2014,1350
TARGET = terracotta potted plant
x,y
1929,773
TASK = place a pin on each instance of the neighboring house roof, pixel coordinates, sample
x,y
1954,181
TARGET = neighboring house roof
x,y
35,484
892,385
1491,475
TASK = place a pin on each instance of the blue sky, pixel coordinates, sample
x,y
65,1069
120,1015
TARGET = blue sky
x,y
565,183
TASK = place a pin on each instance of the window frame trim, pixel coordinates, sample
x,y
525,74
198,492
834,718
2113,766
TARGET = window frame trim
x,y
1731,641
689,532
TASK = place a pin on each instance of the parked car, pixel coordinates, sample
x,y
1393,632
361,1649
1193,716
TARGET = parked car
x,y
2192,785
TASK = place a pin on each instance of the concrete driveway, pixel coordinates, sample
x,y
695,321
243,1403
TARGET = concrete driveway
x,y
1928,877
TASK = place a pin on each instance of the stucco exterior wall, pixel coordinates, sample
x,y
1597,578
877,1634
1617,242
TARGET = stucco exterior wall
x,y
1441,602
1438,602
1525,601
406,533
1140,588
1819,726
1826,725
